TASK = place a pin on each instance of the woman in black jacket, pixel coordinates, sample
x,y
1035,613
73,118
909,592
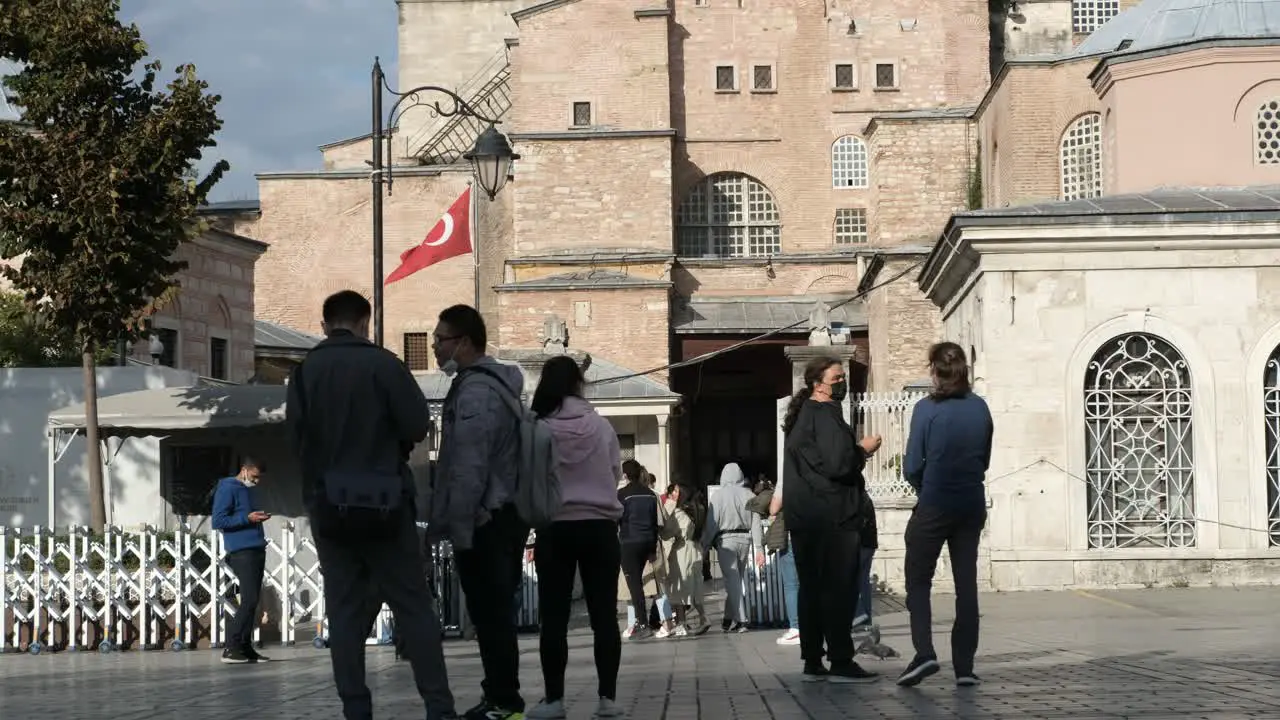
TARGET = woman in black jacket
x,y
824,512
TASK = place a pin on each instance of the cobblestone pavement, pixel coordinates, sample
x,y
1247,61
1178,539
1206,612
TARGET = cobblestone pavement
x,y
1149,654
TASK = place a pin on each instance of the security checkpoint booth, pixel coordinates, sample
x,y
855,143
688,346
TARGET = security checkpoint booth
x,y
163,583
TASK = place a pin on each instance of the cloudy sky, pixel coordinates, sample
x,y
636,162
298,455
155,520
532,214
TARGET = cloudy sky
x,y
293,74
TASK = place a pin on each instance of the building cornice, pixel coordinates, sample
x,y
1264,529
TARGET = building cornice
x,y
219,239
629,257
954,263
878,259
827,258
590,135
521,15
359,174
1108,62
538,286
657,12
1141,64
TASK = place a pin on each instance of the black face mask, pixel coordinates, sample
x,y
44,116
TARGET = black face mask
x,y
839,391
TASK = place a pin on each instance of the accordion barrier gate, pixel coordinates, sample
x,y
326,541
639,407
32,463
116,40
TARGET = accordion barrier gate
x,y
150,589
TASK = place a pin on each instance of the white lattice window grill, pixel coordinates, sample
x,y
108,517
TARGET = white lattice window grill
x,y
1089,15
1139,465
1081,158
849,166
1267,135
729,215
1271,421
851,226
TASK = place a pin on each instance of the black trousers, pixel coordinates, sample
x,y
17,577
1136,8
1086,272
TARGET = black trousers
x,y
927,531
827,570
358,578
590,548
490,572
249,566
634,557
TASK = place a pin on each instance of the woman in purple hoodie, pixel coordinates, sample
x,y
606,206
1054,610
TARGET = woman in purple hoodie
x,y
584,537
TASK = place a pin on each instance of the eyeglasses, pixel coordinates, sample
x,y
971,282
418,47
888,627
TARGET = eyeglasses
x,y
441,339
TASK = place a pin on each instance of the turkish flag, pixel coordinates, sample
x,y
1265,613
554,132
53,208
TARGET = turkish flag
x,y
450,237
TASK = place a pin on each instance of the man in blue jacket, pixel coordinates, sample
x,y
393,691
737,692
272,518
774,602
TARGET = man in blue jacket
x,y
236,515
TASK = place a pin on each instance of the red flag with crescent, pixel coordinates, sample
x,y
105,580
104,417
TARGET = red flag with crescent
x,y
450,237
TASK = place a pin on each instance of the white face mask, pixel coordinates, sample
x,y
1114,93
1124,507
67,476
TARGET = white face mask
x,y
450,366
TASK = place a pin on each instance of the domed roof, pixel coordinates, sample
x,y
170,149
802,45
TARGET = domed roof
x,y
1162,23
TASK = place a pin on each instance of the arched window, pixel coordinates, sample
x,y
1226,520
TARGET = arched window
x,y
849,167
1138,463
1271,419
1266,134
1089,15
728,215
1081,158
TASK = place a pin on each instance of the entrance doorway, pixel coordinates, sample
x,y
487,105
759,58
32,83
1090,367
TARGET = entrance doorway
x,y
731,407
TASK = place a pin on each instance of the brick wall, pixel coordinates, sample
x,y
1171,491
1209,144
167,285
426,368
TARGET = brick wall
x,y
692,280
618,65
1021,129
320,232
626,327
902,324
352,154
215,300
923,169
593,193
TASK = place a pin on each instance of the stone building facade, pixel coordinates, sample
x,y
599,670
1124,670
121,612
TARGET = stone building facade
x,y
694,174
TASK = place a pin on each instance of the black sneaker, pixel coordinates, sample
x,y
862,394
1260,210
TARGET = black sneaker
x,y
489,711
232,656
850,672
919,669
255,656
815,672
968,680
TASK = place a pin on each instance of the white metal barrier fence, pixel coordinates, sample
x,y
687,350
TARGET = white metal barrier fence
x,y
887,414
149,589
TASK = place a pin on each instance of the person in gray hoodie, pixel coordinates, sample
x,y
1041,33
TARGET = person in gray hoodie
x,y
733,530
472,499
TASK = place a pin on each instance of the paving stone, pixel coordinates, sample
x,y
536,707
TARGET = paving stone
x,y
1159,655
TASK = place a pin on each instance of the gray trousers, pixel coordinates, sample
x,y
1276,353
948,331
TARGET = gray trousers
x,y
734,552
358,579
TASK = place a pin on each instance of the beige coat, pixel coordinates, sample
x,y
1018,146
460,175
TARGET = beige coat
x,y
684,559
655,573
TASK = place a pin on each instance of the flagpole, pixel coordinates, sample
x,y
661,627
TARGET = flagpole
x,y
376,140
475,242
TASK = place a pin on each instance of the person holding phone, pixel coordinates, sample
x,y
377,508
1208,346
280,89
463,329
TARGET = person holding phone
x,y
237,517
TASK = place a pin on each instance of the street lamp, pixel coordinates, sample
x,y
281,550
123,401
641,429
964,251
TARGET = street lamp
x,y
490,159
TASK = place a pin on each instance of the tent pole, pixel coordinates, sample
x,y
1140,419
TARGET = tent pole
x,y
53,459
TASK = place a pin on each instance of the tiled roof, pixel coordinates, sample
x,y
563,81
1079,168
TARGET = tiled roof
x,y
1163,23
271,335
761,314
1163,201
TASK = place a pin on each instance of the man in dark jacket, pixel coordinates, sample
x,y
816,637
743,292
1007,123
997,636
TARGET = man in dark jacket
x,y
354,408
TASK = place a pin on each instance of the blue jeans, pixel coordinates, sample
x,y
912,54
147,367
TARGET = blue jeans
x,y
664,612
864,584
790,586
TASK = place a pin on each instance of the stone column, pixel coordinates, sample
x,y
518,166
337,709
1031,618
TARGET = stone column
x,y
664,459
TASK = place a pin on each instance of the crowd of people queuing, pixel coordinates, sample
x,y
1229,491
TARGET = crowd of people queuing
x,y
355,411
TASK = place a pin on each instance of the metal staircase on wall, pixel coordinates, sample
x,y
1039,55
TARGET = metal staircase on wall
x,y
458,134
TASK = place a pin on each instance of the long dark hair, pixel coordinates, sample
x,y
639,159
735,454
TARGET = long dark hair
x,y
561,378
950,371
813,372
688,503
633,471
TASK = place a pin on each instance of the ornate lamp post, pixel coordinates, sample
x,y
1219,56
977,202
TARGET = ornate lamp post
x,y
490,159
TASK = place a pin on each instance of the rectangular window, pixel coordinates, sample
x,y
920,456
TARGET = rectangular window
x,y
218,358
699,3
886,76
726,78
417,351
845,79
627,447
193,472
169,337
581,114
851,226
762,77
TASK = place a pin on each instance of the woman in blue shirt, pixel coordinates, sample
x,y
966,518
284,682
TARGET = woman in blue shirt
x,y
948,452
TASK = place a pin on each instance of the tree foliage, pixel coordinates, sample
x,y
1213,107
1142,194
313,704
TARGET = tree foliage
x,y
96,192
29,339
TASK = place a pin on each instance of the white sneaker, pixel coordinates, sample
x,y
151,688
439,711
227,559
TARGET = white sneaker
x,y
544,710
663,633
608,709
861,620
790,637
